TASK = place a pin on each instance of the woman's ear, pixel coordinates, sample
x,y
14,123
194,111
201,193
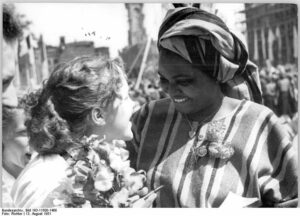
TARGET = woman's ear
x,y
97,116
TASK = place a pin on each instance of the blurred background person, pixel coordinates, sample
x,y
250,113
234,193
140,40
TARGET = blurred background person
x,y
15,149
284,97
11,32
270,97
14,139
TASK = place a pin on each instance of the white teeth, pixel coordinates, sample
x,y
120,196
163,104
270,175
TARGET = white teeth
x,y
180,100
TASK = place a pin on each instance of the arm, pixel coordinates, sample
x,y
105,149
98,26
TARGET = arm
x,y
138,121
278,169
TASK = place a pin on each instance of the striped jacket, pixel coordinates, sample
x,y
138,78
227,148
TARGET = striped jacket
x,y
263,164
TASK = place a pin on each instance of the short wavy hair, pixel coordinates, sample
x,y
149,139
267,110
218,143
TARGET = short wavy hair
x,y
60,109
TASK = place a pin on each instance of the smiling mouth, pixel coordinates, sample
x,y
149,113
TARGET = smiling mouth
x,y
180,100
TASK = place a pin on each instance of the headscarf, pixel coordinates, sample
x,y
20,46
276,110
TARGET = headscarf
x,y
204,40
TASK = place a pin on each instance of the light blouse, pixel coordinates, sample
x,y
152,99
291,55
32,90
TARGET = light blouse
x,y
42,176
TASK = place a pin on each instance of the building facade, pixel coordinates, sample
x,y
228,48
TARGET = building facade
x,y
67,51
36,63
137,31
272,33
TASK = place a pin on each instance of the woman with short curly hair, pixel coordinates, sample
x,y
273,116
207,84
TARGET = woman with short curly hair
x,y
86,96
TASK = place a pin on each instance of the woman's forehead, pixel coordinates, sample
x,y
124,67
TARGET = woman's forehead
x,y
123,90
168,57
174,65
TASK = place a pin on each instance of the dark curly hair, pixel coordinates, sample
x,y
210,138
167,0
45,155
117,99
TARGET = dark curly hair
x,y
59,111
12,29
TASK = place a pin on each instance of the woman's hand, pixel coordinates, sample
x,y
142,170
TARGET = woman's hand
x,y
143,202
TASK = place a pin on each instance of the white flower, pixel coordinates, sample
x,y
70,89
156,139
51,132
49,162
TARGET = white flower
x,y
124,154
94,157
127,171
98,170
87,204
116,162
91,138
103,148
81,169
59,203
134,182
119,197
119,143
103,178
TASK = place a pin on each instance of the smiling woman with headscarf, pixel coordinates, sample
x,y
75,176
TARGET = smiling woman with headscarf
x,y
209,141
205,41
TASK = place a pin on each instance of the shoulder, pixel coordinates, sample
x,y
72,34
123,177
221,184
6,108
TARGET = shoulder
x,y
39,178
7,182
45,168
53,162
255,108
155,107
265,117
250,114
161,104
245,108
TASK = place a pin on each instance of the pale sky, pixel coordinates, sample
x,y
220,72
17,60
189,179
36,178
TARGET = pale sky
x,y
108,22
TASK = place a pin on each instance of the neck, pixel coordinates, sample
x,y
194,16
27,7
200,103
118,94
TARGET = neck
x,y
10,167
207,113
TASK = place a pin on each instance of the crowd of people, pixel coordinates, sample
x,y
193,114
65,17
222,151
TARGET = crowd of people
x,y
201,132
280,93
280,90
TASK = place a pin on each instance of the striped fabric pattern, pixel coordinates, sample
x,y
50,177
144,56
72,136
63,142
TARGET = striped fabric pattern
x,y
263,164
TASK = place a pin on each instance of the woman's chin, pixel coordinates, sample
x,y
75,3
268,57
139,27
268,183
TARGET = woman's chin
x,y
127,136
183,109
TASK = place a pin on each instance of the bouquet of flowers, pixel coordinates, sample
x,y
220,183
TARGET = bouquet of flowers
x,y
99,175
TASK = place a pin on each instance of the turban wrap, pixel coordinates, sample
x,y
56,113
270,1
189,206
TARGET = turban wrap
x,y
204,40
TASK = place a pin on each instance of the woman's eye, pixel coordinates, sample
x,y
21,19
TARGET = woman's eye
x,y
163,80
184,82
21,133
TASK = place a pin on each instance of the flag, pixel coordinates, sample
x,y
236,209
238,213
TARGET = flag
x,y
263,41
30,50
27,59
270,44
295,38
24,67
278,37
255,55
44,59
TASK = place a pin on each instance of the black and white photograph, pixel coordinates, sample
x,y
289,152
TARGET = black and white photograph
x,y
149,105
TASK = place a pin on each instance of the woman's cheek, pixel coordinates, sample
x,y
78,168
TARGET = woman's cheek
x,y
21,141
164,87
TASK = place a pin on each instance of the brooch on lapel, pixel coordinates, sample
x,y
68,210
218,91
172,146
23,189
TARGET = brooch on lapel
x,y
213,143
217,146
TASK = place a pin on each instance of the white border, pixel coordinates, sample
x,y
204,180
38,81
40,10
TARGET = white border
x,y
152,212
